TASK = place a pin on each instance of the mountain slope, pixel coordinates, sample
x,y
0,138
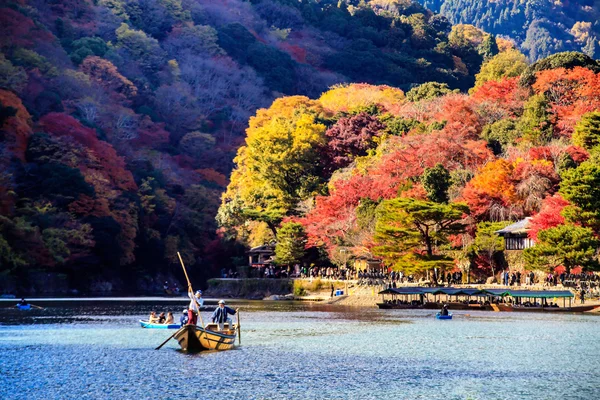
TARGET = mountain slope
x,y
120,119
540,27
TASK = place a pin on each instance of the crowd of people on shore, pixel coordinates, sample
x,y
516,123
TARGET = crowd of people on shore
x,y
588,283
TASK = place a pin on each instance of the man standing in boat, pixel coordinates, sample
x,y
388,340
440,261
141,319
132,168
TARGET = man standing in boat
x,y
194,308
220,316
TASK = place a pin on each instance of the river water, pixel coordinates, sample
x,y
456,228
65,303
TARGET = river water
x,y
301,351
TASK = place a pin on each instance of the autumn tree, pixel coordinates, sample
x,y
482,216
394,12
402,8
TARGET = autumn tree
x,y
508,64
351,137
549,215
106,74
568,60
279,166
408,231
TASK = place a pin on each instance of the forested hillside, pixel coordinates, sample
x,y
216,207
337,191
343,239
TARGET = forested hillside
x,y
120,119
424,179
540,27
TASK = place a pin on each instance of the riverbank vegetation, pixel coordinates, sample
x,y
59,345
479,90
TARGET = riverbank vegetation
x,y
424,181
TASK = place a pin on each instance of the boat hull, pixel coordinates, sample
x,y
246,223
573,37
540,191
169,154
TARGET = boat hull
x,y
148,325
433,306
24,308
574,309
194,339
440,316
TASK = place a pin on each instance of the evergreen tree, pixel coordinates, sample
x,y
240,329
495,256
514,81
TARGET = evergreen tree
x,y
291,242
436,182
587,131
408,231
567,245
535,123
488,48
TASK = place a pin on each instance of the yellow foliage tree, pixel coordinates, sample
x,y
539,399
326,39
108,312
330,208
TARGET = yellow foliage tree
x,y
349,97
278,166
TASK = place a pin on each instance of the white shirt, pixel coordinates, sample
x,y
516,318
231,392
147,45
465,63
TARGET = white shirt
x,y
194,302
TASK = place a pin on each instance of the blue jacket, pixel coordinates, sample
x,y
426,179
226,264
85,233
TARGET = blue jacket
x,y
220,314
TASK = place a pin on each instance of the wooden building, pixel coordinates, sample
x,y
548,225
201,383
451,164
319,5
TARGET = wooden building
x,y
364,263
261,256
515,235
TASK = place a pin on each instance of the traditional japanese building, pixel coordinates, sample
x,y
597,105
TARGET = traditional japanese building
x,y
261,256
365,263
515,235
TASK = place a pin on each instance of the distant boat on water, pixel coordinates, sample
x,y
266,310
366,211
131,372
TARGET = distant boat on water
x,y
148,325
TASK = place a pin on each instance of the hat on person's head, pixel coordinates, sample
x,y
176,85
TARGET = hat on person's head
x,y
199,292
185,311
221,301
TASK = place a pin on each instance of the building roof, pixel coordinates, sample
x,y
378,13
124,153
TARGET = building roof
x,y
537,294
265,248
519,227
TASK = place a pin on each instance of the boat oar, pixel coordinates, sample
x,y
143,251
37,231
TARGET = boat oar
x,y
38,307
170,337
239,328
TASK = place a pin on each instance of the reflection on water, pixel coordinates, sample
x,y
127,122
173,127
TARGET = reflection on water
x,y
300,351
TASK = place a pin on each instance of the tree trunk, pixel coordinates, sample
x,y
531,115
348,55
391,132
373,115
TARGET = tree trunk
x,y
273,228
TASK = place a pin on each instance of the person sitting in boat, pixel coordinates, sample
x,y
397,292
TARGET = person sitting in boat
x,y
220,316
196,301
170,319
153,319
444,310
184,317
162,318
22,303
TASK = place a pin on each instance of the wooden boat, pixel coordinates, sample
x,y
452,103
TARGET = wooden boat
x,y
390,306
146,324
433,306
440,316
573,309
194,339
23,307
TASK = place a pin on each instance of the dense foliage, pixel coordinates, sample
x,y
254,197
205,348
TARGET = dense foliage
x,y
425,181
120,119
540,27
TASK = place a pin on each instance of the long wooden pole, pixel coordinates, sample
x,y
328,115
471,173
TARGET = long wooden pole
x,y
184,271
190,288
170,337
239,328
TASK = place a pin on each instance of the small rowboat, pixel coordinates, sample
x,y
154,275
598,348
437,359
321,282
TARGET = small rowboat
x,y
194,339
440,316
23,307
146,324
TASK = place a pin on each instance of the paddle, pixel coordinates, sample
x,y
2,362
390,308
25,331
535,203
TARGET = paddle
x,y
38,307
170,337
239,328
